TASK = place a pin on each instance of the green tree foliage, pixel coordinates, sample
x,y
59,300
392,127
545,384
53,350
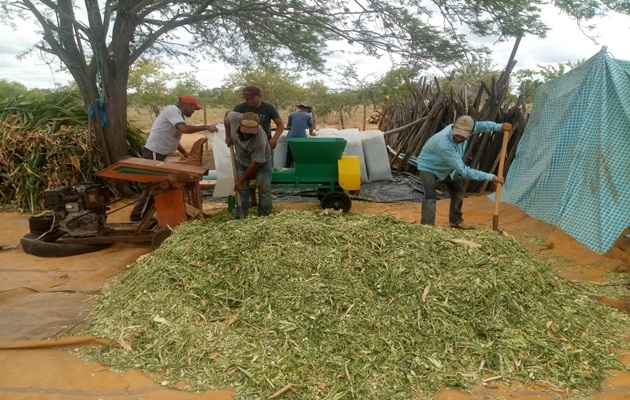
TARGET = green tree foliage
x,y
99,41
393,86
46,141
10,90
388,88
147,81
468,77
324,101
473,74
279,86
185,85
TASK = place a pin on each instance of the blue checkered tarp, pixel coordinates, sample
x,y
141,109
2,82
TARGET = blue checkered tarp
x,y
572,165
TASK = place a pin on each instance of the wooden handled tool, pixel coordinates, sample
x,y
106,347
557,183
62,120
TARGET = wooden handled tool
x,y
239,201
497,198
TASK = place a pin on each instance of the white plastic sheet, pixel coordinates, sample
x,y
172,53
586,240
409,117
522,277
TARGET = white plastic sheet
x,y
223,163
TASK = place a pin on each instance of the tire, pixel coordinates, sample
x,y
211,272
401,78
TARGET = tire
x,y
47,246
336,201
321,193
160,236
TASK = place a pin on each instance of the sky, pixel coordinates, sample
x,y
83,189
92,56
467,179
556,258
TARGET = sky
x,y
565,42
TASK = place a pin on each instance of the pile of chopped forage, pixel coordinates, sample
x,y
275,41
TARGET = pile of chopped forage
x,y
350,306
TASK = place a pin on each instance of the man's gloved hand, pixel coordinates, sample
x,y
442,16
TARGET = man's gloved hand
x,y
506,126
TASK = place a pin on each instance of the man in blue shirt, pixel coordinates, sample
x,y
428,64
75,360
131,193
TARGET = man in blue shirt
x,y
441,159
299,122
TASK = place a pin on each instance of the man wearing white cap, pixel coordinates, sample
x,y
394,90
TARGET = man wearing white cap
x,y
441,159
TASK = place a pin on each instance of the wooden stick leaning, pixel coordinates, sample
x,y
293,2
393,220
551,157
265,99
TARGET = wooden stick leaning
x,y
205,122
239,201
497,198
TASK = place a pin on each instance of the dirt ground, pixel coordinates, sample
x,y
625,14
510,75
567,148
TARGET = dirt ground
x,y
44,300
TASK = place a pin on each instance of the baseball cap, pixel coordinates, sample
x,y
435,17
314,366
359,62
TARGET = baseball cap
x,y
251,91
249,123
190,100
463,126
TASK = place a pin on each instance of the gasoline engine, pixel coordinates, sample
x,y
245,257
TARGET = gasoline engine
x,y
80,209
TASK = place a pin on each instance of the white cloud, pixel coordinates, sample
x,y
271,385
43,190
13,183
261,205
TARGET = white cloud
x,y
566,42
31,71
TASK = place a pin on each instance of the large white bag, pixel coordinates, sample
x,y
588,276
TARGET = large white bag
x,y
280,152
376,157
222,162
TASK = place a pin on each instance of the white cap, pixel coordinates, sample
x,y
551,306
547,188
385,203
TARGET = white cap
x,y
463,126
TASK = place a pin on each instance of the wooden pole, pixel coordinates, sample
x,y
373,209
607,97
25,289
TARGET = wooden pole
x,y
205,122
341,120
239,201
364,116
497,197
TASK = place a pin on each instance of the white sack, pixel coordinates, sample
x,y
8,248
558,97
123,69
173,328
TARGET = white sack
x,y
222,162
376,158
280,152
327,132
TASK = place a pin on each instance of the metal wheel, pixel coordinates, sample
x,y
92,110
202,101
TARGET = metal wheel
x,y
336,201
160,236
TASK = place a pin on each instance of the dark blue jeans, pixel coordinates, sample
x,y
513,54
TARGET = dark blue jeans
x,y
263,183
289,160
455,191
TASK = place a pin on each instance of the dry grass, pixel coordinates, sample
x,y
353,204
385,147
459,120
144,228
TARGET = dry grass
x,y
144,117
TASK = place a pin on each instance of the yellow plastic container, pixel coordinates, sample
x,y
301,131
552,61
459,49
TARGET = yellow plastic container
x,y
349,172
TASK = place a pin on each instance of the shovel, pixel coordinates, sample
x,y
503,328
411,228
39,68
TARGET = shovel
x,y
497,198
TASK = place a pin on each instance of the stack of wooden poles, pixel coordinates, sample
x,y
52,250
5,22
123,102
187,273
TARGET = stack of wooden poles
x,y
430,107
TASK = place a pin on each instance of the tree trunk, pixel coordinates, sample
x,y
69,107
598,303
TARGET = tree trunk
x,y
116,111
115,135
341,120
111,137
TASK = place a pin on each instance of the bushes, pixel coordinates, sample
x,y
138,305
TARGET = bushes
x,y
47,143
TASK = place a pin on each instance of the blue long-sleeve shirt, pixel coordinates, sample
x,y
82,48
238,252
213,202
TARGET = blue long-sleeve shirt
x,y
443,157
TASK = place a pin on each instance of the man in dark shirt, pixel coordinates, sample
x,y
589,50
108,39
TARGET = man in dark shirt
x,y
266,112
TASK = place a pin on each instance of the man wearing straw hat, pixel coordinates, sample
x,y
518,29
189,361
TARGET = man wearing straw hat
x,y
441,159
164,137
253,160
